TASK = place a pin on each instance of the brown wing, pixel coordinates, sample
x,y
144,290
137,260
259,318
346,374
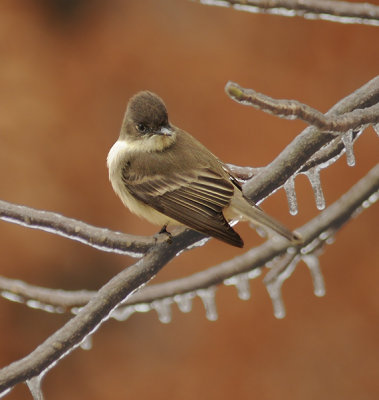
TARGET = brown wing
x,y
196,200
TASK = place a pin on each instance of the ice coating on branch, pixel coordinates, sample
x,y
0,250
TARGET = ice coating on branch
x,y
367,203
163,309
45,307
11,296
142,307
199,243
313,263
313,175
289,188
208,298
5,392
34,385
254,273
72,237
311,246
347,140
122,313
184,301
87,343
289,12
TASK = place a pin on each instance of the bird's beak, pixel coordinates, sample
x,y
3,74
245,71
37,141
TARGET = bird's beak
x,y
164,131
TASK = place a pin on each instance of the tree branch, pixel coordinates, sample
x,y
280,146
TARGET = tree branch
x,y
100,238
116,291
66,339
307,144
335,11
301,154
293,109
332,218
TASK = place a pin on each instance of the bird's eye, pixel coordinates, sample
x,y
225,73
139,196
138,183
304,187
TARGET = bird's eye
x,y
141,128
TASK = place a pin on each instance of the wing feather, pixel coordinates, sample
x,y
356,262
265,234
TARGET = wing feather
x,y
196,200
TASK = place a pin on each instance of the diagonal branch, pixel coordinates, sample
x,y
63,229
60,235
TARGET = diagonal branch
x,y
307,144
332,218
328,10
120,287
300,155
66,339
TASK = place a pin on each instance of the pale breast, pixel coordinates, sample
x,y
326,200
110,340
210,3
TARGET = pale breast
x,y
115,161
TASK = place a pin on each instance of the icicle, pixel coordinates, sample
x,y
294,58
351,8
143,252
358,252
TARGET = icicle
x,y
289,188
275,292
143,307
208,298
254,273
34,385
45,307
313,263
5,392
163,309
374,198
313,175
347,140
122,313
184,301
241,282
11,296
310,247
87,343
274,288
326,236
330,240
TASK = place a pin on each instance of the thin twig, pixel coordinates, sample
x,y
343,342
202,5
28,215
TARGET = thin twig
x,y
66,339
306,145
293,109
335,11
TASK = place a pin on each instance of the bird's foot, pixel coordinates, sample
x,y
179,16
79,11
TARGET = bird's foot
x,y
163,231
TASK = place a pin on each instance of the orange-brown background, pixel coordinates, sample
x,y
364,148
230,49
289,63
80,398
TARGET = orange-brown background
x,y
65,77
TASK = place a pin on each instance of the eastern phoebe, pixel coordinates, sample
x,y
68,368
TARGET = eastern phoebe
x,y
163,174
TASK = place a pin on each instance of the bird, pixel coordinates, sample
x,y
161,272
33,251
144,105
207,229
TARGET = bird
x,y
163,174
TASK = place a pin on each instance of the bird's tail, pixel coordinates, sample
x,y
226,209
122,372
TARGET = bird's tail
x,y
245,210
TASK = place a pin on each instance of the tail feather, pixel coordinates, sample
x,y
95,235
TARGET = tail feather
x,y
258,217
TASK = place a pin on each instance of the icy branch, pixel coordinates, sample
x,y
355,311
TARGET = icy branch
x,y
92,315
335,11
100,238
331,218
293,109
117,291
305,148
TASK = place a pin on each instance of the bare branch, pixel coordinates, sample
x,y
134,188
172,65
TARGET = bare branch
x,y
307,144
100,238
293,109
335,11
66,339
331,218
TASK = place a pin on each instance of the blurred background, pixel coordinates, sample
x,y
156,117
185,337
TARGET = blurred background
x,y
67,70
